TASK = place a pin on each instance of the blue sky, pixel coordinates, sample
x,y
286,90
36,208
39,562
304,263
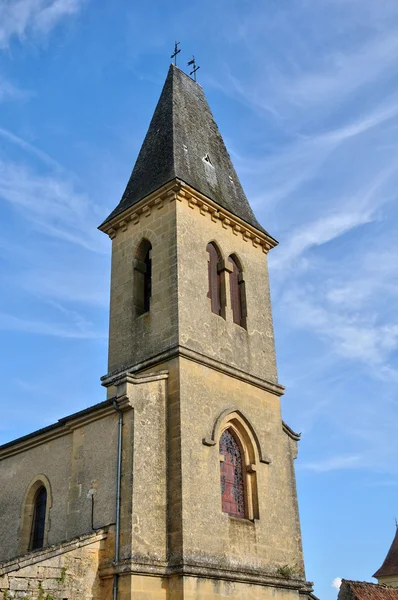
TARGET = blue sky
x,y
305,94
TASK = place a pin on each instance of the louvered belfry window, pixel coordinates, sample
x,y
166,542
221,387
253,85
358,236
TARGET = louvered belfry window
x,y
232,482
39,519
214,292
237,292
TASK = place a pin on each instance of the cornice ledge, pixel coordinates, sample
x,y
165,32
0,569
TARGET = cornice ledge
x,y
205,571
128,377
156,199
179,350
292,434
177,189
274,388
207,206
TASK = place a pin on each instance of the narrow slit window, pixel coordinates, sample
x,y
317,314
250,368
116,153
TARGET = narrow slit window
x,y
147,281
214,292
39,519
232,477
143,278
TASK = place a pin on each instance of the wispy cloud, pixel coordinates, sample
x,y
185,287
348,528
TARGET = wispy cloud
x,y
8,91
30,148
25,17
317,233
362,337
334,463
51,204
77,329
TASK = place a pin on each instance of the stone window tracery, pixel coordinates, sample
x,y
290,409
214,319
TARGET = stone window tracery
x,y
232,480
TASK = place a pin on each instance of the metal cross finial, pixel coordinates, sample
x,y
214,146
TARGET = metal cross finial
x,y
176,51
194,67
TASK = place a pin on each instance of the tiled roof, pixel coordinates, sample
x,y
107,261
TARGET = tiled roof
x,y
363,590
183,142
390,564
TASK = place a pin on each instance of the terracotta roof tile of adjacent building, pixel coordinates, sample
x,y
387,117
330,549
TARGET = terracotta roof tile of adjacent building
x,y
183,142
390,564
363,590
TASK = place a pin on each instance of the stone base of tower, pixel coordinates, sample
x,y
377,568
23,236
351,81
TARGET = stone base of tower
x,y
178,587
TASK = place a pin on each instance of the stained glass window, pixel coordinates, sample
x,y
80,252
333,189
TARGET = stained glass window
x,y
39,519
232,483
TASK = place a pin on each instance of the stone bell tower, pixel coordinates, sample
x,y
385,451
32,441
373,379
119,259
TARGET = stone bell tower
x,y
208,502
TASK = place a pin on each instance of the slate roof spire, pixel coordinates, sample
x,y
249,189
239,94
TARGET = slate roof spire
x,y
390,565
183,141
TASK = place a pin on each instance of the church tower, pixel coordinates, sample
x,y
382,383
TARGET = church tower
x,y
208,496
388,572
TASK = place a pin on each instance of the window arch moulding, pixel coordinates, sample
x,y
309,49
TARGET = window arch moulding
x,y
28,510
235,417
239,456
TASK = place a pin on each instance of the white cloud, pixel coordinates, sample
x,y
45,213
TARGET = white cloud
x,y
51,204
8,91
358,336
336,583
78,328
20,18
334,463
317,233
29,148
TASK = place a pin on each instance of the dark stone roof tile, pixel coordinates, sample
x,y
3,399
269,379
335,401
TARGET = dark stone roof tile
x,y
183,141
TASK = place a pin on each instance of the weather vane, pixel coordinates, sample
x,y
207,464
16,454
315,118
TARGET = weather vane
x,y
194,67
176,51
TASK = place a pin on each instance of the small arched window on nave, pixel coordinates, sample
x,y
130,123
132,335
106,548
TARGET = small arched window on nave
x,y
143,278
39,519
214,292
232,475
237,292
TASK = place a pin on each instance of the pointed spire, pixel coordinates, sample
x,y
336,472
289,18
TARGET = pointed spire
x,y
183,142
389,568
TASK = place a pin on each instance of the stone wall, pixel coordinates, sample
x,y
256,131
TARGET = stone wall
x,y
211,537
77,459
67,571
251,349
133,338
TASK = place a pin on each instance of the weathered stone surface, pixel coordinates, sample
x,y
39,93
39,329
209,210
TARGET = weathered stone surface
x,y
71,573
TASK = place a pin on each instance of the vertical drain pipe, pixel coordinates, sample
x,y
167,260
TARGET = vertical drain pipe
x,y
118,482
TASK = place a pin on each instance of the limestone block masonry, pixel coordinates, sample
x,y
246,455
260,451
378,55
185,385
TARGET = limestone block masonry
x,y
135,486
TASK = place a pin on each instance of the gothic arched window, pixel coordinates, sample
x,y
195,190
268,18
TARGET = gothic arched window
x,y
232,475
143,278
237,291
214,292
39,519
